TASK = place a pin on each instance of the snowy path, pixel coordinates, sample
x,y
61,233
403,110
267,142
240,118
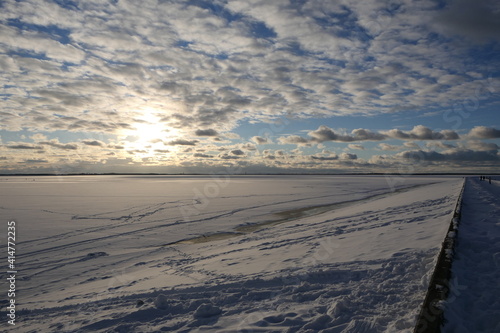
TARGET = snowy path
x,y
474,301
361,266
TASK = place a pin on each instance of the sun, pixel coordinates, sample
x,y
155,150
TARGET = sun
x,y
149,128
147,133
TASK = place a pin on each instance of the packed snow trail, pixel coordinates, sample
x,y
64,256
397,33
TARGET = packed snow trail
x,y
474,301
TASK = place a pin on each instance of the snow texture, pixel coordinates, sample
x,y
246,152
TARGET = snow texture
x,y
233,254
474,301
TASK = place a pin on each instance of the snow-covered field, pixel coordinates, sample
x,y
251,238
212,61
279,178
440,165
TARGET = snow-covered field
x,y
225,254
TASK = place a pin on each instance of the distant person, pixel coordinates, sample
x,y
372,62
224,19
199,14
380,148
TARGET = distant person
x,y
490,180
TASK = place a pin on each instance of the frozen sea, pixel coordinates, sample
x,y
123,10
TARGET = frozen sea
x,y
225,253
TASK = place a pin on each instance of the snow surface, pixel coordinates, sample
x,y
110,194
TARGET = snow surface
x,y
225,254
474,301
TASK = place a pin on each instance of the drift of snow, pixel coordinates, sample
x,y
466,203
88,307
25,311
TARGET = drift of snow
x,y
121,254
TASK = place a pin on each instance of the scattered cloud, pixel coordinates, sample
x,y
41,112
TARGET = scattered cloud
x,y
95,143
483,132
420,132
355,146
181,142
35,161
24,146
450,155
482,146
238,152
439,145
201,155
411,145
229,157
348,156
388,147
249,146
294,140
57,144
136,77
265,56
260,140
361,134
324,133
207,132
325,158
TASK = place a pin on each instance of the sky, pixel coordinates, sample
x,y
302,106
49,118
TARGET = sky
x,y
233,86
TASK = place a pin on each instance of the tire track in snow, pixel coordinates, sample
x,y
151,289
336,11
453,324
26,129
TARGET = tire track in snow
x,y
295,214
177,222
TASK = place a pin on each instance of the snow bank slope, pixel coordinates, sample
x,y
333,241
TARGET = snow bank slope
x,y
362,267
474,301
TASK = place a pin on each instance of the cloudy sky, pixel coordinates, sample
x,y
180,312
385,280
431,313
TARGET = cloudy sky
x,y
249,86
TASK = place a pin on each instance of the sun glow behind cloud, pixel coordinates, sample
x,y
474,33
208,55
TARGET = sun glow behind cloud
x,y
147,134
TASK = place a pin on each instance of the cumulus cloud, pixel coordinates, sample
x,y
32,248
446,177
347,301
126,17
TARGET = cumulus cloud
x,y
388,147
23,146
249,146
57,144
95,143
455,155
294,140
324,133
439,144
238,152
355,146
229,157
361,134
420,132
411,145
278,155
325,158
181,142
207,132
483,132
35,161
348,156
260,140
201,155
482,146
